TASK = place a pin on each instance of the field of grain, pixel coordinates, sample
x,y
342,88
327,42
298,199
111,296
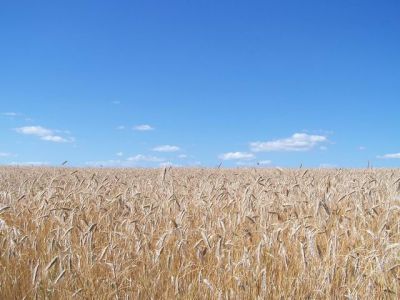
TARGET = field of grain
x,y
199,233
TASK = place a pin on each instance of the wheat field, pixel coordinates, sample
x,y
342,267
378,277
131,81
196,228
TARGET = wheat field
x,y
199,233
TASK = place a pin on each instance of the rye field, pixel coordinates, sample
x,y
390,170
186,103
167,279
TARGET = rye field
x,y
199,233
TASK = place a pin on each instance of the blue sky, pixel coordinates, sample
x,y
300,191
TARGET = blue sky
x,y
149,83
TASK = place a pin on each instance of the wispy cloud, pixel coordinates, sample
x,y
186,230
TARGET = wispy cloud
x,y
44,134
166,148
5,154
133,161
297,142
389,156
34,130
327,166
10,114
29,163
143,127
120,127
183,156
107,163
168,164
247,163
362,148
145,158
236,156
54,138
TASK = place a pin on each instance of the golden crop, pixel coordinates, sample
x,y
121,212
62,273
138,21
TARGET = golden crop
x,y
199,233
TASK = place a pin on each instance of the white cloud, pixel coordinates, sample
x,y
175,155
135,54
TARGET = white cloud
x,y
29,163
119,154
134,161
245,163
327,166
236,156
145,158
5,154
143,127
10,114
264,162
168,164
297,142
54,138
34,130
388,156
166,148
108,163
253,163
120,127
182,156
361,148
43,133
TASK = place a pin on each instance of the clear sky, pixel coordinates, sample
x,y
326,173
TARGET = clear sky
x,y
149,83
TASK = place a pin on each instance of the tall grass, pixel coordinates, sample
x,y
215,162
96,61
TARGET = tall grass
x,y
198,233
